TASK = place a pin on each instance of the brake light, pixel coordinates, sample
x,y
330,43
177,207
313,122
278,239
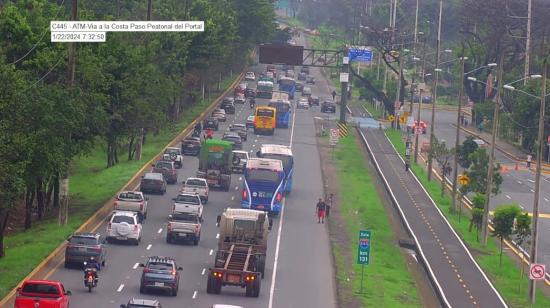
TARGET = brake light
x,y
146,270
196,228
109,227
279,197
135,227
169,227
250,278
173,273
141,206
245,194
216,274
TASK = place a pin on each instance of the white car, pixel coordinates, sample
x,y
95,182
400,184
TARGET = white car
x,y
124,226
303,103
174,154
196,186
188,203
250,76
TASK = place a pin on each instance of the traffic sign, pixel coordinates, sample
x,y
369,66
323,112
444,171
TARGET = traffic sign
x,y
402,119
363,249
391,118
537,271
334,136
360,53
463,179
344,77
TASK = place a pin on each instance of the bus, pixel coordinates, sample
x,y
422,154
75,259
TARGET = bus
x,y
288,85
265,120
264,89
284,154
280,102
263,185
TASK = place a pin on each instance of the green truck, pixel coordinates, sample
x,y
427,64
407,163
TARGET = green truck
x,y
215,162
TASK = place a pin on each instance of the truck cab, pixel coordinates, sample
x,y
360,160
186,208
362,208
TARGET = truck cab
x,y
215,163
42,293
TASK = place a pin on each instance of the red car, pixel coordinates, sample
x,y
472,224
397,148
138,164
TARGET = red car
x,y
423,126
42,293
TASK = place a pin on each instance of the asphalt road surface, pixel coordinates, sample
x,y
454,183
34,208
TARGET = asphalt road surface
x,y
299,270
518,186
460,281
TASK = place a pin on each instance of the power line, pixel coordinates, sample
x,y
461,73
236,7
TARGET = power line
x,y
45,75
40,39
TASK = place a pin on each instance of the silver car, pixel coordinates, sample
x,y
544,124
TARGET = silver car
x,y
124,226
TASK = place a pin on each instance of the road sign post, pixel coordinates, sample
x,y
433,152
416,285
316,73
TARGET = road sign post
x,y
537,271
363,251
334,137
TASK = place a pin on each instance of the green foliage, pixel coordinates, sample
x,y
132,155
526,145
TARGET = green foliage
x,y
503,223
478,173
443,156
523,228
468,147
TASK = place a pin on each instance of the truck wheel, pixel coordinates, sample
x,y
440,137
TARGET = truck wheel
x,y
213,286
261,265
168,239
196,240
253,289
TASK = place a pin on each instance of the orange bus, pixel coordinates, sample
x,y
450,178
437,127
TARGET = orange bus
x,y
265,120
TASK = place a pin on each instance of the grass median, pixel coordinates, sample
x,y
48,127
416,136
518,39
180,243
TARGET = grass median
x,y
387,280
506,278
91,185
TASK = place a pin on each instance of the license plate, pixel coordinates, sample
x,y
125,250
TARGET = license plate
x,y
122,238
261,206
81,248
159,284
234,278
182,234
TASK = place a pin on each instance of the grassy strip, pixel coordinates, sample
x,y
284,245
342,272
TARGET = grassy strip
x,y
387,281
92,184
506,278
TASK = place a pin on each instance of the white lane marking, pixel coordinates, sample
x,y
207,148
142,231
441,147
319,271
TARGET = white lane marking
x,y
149,246
508,197
136,265
546,199
250,151
236,187
217,235
256,140
120,288
159,231
232,197
203,271
290,144
547,179
521,206
253,145
194,294
211,251
532,190
240,178
532,181
519,182
274,275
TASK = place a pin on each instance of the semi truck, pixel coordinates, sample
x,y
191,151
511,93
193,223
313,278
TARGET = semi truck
x,y
215,163
241,256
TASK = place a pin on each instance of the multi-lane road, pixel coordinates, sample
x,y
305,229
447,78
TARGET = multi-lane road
x,y
299,270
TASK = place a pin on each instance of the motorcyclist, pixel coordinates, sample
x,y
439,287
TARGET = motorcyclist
x,y
209,133
252,102
198,128
92,265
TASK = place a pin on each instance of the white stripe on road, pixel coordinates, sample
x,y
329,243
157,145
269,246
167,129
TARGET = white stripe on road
x,y
203,271
240,178
256,140
274,275
519,182
236,187
546,199
194,294
250,151
159,231
136,265
232,197
149,246
211,251
120,288
521,206
532,190
532,181
508,197
217,235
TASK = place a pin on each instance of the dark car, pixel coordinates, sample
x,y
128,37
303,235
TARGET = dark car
x,y
250,93
153,183
160,273
240,129
328,107
142,303
313,100
191,146
82,246
310,80
302,76
235,139
168,170
250,122
228,105
299,87
211,122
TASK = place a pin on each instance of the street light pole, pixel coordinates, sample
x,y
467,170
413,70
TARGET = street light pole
x,y
418,121
490,167
432,125
457,141
540,147
344,90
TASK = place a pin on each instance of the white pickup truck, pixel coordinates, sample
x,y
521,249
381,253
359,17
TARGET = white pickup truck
x,y
198,186
183,226
133,201
188,203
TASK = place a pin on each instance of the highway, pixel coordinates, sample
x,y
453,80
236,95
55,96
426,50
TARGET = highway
x,y
455,275
299,270
518,186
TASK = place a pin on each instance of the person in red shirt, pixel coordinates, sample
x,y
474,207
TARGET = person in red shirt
x,y
209,133
320,210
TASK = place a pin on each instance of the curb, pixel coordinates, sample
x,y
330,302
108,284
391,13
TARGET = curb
x,y
102,213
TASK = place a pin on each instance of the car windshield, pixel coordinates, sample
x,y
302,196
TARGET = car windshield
x,y
123,218
195,182
161,165
170,151
190,199
152,176
81,240
184,217
40,288
160,266
130,196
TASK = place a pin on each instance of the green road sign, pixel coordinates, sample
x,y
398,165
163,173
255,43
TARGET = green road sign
x,y
363,249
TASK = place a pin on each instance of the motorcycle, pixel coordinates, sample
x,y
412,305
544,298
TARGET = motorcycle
x,y
90,277
196,133
252,104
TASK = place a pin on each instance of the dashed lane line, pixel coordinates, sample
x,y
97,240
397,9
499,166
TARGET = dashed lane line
x,y
508,197
120,288
195,295
135,265
159,231
217,235
211,251
149,246
203,271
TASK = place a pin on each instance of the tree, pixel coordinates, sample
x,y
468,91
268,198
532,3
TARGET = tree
x,y
503,223
442,155
476,220
522,231
478,173
463,152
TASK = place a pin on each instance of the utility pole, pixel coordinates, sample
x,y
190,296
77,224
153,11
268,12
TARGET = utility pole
x,y
491,167
344,89
527,42
398,94
416,23
432,125
418,119
540,149
457,139
63,214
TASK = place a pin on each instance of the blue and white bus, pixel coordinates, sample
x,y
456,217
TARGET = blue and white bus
x,y
288,85
280,102
263,185
284,154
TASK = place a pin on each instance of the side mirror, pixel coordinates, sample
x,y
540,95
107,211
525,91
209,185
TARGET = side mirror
x,y
170,217
270,224
218,219
68,293
180,268
141,265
